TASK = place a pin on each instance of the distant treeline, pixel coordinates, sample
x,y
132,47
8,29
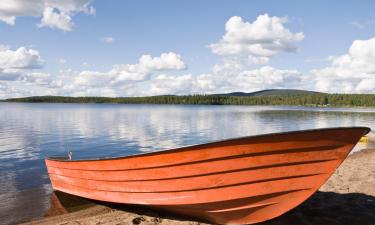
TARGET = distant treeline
x,y
319,99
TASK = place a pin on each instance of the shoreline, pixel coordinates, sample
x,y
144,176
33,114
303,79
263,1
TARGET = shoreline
x,y
347,198
200,104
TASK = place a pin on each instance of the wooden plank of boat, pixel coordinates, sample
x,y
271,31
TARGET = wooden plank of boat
x,y
238,181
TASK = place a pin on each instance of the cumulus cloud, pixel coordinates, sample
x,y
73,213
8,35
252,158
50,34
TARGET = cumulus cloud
x,y
266,77
54,19
164,84
107,40
93,79
351,72
121,80
37,78
54,14
223,81
100,84
136,79
133,72
13,63
22,58
166,61
257,41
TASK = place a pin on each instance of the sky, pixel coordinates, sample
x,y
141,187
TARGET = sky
x,y
142,48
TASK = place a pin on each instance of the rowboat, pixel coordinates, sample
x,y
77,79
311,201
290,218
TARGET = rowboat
x,y
236,181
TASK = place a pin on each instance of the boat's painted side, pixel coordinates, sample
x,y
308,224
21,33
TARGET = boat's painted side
x,y
237,181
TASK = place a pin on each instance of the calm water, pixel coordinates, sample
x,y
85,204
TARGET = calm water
x,y
29,132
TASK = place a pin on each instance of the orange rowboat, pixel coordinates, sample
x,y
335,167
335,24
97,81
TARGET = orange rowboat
x,y
237,181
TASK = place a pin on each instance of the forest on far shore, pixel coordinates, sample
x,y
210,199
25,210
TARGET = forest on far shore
x,y
308,99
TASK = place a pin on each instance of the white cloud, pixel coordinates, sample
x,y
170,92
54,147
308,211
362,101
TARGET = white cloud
x,y
257,41
108,40
366,85
10,9
266,77
37,78
164,84
146,66
223,81
54,14
136,79
93,79
121,80
228,68
123,73
206,83
13,63
54,19
22,58
351,72
166,61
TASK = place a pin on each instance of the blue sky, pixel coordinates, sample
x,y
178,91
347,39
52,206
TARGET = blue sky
x,y
186,29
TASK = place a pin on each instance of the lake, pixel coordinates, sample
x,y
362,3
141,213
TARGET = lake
x,y
31,131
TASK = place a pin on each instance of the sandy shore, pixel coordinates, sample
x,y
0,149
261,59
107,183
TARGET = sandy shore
x,y
348,198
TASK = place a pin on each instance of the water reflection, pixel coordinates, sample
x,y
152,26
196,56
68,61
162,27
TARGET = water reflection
x,y
29,132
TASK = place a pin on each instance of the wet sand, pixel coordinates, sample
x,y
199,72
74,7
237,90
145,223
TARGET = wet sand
x,y
348,198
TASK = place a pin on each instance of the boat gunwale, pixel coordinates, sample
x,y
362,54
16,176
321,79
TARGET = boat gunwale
x,y
231,157
207,144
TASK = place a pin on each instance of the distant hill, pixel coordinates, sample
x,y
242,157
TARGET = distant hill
x,y
273,92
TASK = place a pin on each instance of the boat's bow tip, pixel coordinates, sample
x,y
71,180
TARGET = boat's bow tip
x,y
367,130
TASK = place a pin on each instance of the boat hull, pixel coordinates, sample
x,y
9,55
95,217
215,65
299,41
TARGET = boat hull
x,y
238,181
